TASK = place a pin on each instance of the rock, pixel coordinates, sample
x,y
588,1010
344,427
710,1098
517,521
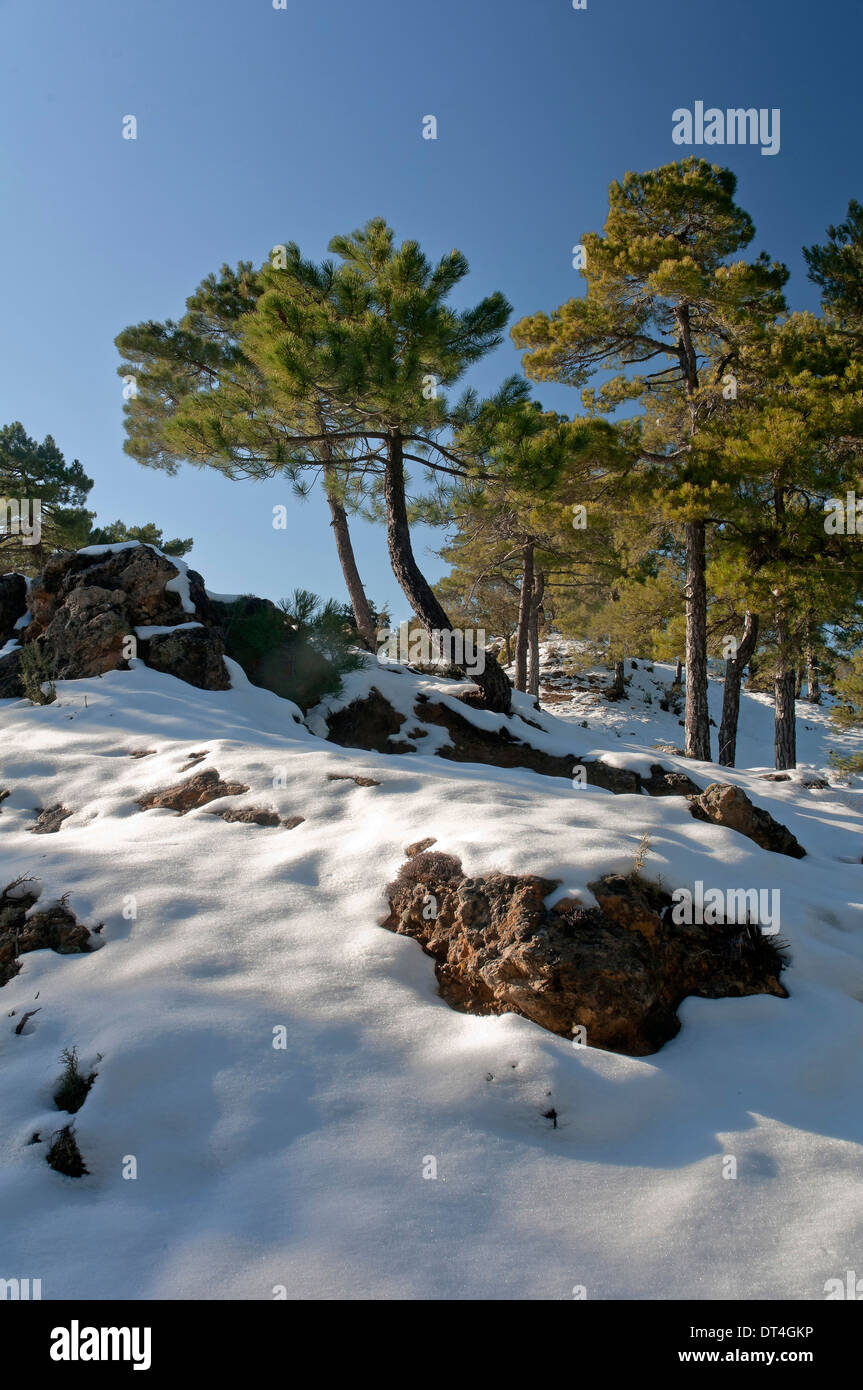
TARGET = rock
x,y
722,804
251,815
194,792
56,929
83,608
193,654
13,604
367,723
661,782
50,820
372,723
620,970
347,777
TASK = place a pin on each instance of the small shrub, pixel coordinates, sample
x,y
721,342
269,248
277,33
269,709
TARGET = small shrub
x,y
846,763
36,671
64,1156
73,1088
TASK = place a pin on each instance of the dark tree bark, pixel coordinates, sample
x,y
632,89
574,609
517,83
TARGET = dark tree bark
x,y
347,560
734,668
618,682
697,719
813,681
798,680
492,681
785,727
522,636
678,671
533,634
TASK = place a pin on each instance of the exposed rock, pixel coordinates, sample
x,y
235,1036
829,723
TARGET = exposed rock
x,y
13,604
194,792
83,608
661,782
194,654
371,723
419,845
10,680
620,970
366,723
347,777
49,820
4,792
55,929
722,804
293,821
194,759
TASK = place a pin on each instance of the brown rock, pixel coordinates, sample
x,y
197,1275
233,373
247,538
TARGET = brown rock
x,y
620,970
722,804
56,929
194,792
50,820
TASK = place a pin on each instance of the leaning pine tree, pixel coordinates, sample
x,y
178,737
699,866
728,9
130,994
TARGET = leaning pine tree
x,y
375,337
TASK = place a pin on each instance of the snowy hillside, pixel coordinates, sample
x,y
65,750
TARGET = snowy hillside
x,y
308,1166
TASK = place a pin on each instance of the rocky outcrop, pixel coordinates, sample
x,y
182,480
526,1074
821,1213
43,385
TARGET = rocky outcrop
x,y
55,929
619,970
13,604
85,607
374,724
194,792
722,804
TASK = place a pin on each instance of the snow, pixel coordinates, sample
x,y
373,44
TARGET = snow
x,y
303,1167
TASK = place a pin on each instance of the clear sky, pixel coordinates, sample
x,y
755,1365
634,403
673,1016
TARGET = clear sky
x,y
258,126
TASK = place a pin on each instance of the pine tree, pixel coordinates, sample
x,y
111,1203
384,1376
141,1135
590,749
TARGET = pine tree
x,y
660,285
376,338
195,395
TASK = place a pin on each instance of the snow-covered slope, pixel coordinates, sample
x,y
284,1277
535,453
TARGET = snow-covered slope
x,y
303,1166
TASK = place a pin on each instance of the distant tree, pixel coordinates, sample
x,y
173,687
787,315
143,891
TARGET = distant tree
x,y
149,534
32,473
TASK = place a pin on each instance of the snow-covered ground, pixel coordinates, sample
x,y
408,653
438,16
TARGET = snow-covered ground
x,y
302,1167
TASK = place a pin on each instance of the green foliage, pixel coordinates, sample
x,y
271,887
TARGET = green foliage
x,y
35,672
149,534
848,688
846,764
299,649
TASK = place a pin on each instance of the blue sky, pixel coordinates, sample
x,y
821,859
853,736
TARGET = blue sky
x,y
258,126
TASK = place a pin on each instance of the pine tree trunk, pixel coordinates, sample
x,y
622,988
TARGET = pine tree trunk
x,y
798,680
785,728
678,671
697,714
734,668
347,560
522,635
492,680
813,682
533,633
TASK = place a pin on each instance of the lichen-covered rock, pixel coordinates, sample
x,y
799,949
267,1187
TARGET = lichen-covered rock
x,y
619,970
722,804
